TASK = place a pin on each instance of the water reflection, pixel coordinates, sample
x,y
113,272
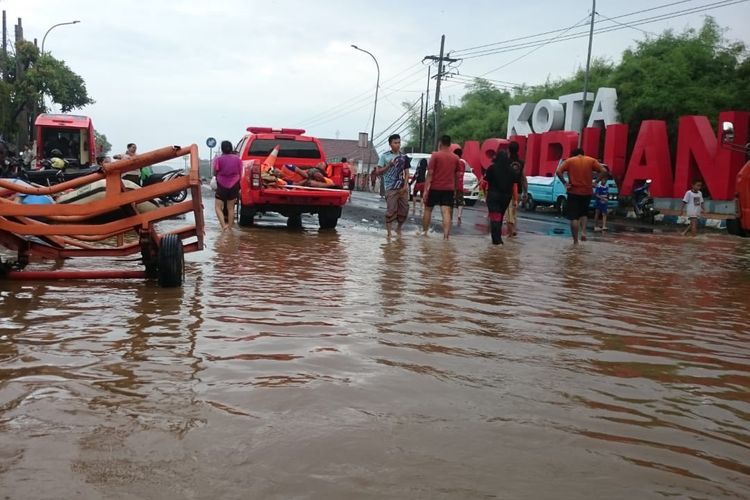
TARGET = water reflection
x,y
341,365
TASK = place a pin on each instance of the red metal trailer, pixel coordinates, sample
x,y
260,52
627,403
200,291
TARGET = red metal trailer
x,y
98,227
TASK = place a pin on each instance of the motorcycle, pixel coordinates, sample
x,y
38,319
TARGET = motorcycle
x,y
176,197
48,175
643,203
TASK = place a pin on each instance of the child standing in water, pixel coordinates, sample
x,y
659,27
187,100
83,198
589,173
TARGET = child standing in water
x,y
692,205
601,195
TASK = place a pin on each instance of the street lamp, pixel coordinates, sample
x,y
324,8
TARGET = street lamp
x,y
53,27
375,108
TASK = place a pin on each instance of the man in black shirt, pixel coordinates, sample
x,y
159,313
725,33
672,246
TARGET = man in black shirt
x,y
501,177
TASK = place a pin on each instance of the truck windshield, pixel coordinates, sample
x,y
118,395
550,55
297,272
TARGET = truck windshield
x,y
289,148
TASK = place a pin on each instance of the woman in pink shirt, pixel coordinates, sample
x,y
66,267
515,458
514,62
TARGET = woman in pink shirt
x,y
227,169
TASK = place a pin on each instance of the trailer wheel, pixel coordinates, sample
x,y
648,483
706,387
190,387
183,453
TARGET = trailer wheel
x,y
246,216
329,217
171,261
294,221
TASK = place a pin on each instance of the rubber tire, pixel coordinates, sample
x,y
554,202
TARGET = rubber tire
x,y
171,261
734,227
179,196
247,215
294,221
562,205
328,218
470,203
530,204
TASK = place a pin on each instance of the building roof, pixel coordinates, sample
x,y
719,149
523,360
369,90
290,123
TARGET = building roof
x,y
335,149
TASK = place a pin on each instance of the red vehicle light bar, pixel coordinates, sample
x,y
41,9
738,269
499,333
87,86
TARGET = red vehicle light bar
x,y
269,130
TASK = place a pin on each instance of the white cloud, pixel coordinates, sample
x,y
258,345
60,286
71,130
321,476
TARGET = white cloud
x,y
178,71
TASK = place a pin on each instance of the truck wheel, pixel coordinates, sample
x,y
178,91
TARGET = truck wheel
x,y
294,221
562,205
246,216
530,205
329,217
171,261
470,203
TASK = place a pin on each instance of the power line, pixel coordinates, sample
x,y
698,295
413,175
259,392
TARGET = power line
x,y
385,130
607,29
650,33
359,97
533,50
334,115
469,49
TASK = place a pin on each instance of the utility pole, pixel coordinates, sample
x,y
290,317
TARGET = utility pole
x,y
5,48
23,117
426,110
440,59
421,123
588,66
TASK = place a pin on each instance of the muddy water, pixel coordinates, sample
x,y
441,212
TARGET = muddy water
x,y
307,365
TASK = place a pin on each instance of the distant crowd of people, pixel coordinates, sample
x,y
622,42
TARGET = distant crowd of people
x,y
439,183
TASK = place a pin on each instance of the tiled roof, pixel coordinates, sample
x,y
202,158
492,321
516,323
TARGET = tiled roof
x,y
335,149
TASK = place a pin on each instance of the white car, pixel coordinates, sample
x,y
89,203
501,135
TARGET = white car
x,y
471,183
471,186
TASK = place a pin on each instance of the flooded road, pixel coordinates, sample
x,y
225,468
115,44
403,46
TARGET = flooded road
x,y
340,365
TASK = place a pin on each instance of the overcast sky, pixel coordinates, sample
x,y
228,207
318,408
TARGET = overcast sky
x,y
176,72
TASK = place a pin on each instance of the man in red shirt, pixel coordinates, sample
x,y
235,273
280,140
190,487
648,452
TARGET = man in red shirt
x,y
580,187
440,185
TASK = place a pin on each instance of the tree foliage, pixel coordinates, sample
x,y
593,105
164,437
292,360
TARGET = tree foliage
x,y
27,75
103,147
665,77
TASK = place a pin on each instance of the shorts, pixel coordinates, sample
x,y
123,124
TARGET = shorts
x,y
602,207
226,194
440,197
397,206
512,213
418,189
578,206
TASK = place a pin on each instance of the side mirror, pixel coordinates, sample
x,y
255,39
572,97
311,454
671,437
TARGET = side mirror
x,y
727,132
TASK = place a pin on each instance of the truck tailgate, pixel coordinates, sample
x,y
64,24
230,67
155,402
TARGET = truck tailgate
x,y
322,197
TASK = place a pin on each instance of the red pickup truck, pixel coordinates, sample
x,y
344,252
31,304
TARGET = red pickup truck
x,y
290,201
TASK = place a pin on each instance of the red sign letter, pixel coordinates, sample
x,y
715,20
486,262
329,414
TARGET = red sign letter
x,y
555,145
650,160
615,150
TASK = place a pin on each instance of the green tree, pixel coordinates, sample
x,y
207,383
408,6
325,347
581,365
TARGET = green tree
x,y
29,75
665,77
103,147
696,72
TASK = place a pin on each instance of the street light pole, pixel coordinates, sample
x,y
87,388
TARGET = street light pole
x,y
36,101
375,108
53,27
588,67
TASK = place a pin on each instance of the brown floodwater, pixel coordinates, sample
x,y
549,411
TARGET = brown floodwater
x,y
339,365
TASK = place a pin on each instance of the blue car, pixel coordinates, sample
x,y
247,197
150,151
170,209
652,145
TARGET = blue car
x,y
550,191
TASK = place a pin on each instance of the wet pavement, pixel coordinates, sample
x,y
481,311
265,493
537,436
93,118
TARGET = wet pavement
x,y
308,364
